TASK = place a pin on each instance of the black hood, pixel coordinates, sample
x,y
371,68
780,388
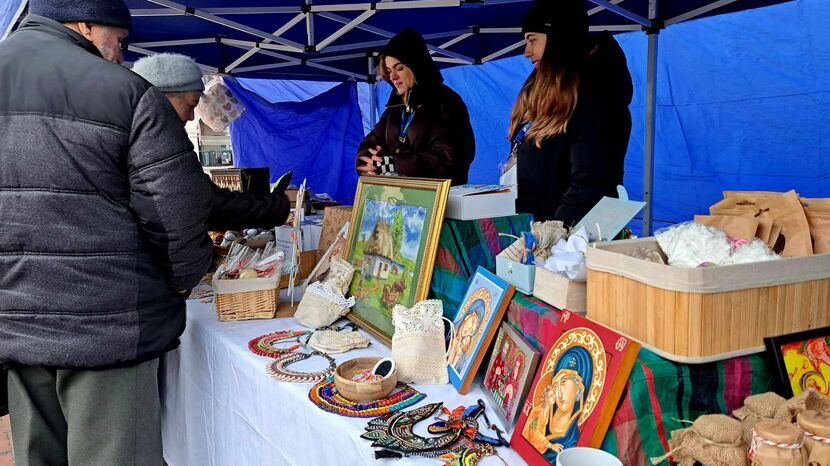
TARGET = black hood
x,y
410,48
605,70
566,24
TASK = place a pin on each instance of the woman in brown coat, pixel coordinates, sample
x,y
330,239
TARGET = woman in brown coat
x,y
425,130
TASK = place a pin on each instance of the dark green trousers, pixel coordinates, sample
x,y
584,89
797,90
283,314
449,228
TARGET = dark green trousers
x,y
82,417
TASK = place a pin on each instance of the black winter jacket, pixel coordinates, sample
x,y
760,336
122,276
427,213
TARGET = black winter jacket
x,y
233,210
439,142
571,172
103,207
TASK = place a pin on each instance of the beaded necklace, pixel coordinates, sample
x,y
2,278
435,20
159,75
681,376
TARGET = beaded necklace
x,y
326,397
279,370
264,345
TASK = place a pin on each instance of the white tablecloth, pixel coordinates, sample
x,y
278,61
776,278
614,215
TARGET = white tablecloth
x,y
219,407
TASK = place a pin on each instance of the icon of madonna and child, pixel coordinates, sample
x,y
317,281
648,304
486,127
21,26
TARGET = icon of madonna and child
x,y
564,397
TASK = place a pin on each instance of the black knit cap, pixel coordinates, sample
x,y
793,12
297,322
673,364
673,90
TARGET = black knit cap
x,y
566,24
410,48
104,12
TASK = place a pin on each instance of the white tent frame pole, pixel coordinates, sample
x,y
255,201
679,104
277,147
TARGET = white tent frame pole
x,y
405,5
148,52
503,51
389,35
245,69
698,12
309,26
651,114
218,11
348,27
175,43
227,23
250,53
14,19
621,11
596,10
373,87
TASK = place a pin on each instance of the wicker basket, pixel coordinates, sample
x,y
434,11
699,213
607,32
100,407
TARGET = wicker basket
x,y
252,298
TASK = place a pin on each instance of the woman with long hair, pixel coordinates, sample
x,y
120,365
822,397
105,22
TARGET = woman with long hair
x,y
570,124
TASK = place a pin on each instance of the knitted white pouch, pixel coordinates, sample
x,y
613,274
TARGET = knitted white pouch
x,y
324,302
418,344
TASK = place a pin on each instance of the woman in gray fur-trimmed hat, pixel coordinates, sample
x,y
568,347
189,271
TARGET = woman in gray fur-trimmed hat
x,y
179,78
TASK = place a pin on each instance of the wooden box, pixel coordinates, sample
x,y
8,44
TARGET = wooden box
x,y
709,313
246,180
560,292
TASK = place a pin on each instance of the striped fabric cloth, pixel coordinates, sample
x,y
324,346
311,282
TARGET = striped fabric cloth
x,y
660,393
464,245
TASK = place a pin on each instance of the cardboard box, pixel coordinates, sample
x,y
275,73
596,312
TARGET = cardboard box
x,y
471,202
695,315
559,291
520,275
308,259
333,220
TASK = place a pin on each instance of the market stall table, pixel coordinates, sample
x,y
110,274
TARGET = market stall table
x,y
219,407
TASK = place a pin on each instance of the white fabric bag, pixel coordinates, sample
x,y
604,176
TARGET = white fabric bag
x,y
418,344
324,302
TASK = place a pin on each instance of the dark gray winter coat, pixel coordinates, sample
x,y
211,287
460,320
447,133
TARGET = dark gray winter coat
x,y
103,207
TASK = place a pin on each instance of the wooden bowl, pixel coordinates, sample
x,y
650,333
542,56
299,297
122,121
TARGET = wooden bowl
x,y
362,392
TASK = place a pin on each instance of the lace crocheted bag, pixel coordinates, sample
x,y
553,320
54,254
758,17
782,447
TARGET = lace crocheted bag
x,y
324,302
418,344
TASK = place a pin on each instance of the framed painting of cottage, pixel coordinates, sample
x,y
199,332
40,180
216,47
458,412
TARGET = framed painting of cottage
x,y
393,237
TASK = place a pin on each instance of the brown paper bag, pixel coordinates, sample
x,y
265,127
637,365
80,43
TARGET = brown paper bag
x,y
736,227
815,204
777,443
816,428
784,209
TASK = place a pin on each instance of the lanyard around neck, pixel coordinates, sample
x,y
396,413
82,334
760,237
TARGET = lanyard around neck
x,y
405,122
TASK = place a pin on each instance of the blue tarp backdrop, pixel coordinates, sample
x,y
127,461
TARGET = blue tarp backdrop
x,y
742,105
316,138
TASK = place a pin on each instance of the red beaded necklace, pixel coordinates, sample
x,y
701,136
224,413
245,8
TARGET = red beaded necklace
x,y
264,345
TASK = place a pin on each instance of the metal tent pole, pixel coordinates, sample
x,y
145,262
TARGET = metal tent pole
x,y
651,110
373,87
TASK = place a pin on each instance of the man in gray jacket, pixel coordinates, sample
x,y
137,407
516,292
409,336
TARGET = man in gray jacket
x,y
103,210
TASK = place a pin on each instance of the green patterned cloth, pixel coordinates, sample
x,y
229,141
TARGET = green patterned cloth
x,y
462,247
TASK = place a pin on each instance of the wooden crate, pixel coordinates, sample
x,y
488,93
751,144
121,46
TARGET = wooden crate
x,y
560,292
704,314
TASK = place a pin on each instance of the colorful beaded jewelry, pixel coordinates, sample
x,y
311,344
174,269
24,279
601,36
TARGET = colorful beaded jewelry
x,y
394,432
264,345
278,368
326,397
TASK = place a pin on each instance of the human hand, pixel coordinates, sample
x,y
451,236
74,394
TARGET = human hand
x,y
557,447
370,165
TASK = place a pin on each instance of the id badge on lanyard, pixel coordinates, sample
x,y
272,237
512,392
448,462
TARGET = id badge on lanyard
x,y
517,141
405,122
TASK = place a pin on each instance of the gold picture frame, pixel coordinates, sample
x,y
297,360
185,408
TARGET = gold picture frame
x,y
393,238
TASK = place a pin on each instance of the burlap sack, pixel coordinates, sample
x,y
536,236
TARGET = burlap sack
x,y
788,410
713,439
784,209
418,345
736,227
756,408
777,443
816,428
817,402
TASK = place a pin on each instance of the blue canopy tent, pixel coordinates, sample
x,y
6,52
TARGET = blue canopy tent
x,y
339,39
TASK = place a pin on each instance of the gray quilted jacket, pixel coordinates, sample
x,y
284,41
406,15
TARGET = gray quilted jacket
x,y
103,207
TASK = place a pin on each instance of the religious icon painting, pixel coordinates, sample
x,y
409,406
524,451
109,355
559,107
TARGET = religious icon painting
x,y
575,392
475,325
509,373
802,360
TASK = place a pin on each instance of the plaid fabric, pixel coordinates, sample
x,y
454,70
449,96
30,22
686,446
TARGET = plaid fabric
x,y
659,393
464,245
